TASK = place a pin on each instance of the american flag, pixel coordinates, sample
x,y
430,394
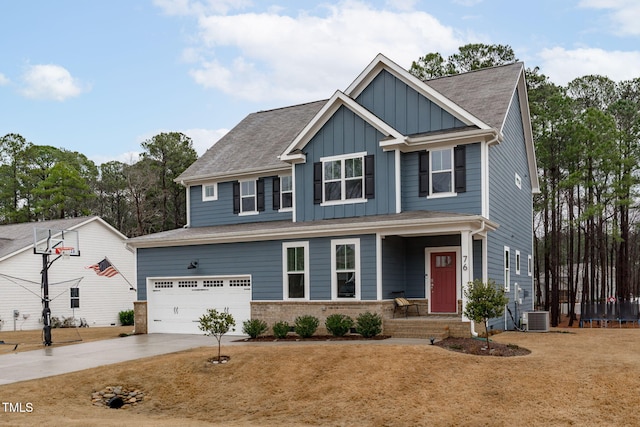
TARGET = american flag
x,y
104,268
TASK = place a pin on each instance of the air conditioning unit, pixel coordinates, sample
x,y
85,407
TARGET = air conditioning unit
x,y
537,321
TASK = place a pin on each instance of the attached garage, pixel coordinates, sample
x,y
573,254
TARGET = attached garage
x,y
174,304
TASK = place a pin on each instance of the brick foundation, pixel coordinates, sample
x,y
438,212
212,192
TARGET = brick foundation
x,y
278,311
140,317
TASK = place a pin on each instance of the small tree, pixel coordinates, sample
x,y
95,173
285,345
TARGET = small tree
x,y
484,301
217,323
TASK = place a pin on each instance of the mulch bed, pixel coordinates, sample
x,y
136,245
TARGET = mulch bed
x,y
478,347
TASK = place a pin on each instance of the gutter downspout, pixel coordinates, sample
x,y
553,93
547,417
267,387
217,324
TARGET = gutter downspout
x,y
482,228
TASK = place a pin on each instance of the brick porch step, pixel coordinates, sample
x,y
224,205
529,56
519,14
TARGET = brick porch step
x,y
427,327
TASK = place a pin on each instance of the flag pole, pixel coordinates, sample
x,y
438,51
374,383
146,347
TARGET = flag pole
x,y
131,287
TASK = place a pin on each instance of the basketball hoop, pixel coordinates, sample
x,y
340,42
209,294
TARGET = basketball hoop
x,y
65,251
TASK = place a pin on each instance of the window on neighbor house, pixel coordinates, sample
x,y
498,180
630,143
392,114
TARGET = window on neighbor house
x,y
345,274
517,262
507,270
529,265
296,261
209,192
75,297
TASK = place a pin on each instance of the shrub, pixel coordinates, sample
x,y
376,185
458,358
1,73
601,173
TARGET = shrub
x,y
126,317
368,324
65,322
280,329
305,326
254,327
484,302
338,324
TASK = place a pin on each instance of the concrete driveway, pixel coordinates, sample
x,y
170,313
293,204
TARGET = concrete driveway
x,y
54,360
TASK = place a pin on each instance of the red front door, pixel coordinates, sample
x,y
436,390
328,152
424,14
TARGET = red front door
x,y
443,282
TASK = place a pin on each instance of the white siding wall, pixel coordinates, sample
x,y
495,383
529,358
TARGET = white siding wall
x,y
101,298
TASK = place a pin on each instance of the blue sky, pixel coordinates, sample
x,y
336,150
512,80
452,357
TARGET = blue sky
x,y
100,77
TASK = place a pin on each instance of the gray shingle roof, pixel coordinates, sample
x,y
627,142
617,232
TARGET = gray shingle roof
x,y
15,237
254,144
484,93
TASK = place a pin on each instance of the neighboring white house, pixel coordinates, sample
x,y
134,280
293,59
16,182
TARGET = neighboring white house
x,y
74,290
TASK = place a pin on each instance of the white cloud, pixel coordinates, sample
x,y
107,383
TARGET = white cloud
x,y
4,80
562,65
272,56
189,7
624,15
50,82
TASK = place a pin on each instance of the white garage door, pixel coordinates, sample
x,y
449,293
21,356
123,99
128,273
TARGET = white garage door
x,y
174,305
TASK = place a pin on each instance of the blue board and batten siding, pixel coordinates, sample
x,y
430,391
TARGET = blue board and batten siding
x,y
403,108
262,260
511,207
220,212
345,133
468,202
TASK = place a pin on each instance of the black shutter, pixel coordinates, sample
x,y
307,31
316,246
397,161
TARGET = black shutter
x,y
236,197
317,183
369,177
276,193
460,168
260,194
423,173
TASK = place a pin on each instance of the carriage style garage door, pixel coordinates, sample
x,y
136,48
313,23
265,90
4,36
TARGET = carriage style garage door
x,y
174,305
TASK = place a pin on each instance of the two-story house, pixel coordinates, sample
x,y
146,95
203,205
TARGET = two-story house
x,y
395,185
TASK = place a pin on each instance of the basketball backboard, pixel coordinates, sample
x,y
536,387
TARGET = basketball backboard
x,y
50,241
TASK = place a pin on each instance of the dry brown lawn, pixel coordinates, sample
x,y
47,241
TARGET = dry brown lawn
x,y
572,377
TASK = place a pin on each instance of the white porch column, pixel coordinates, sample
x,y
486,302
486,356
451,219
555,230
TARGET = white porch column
x,y
466,265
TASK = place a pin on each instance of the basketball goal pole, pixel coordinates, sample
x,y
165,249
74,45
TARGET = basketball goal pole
x,y
46,310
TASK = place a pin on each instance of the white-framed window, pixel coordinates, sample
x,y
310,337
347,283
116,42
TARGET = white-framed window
x,y
343,178
286,192
75,297
441,172
295,270
517,262
518,181
248,200
529,265
507,269
345,269
209,192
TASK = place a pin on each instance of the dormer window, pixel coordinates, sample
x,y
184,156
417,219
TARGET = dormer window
x,y
344,179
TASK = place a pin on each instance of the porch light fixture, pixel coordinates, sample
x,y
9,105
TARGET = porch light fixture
x,y
193,264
